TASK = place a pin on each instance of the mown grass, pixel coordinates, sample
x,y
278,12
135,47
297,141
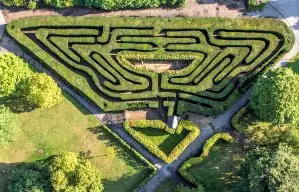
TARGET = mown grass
x,y
68,127
164,140
219,170
294,64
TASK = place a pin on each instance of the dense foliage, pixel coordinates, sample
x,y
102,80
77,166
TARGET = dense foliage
x,y
256,4
275,96
9,126
42,91
64,173
278,171
13,71
102,4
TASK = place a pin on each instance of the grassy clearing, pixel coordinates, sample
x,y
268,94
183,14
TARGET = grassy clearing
x,y
219,170
164,140
68,127
167,186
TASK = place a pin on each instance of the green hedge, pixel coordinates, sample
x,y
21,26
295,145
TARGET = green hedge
x,y
225,56
183,170
150,171
101,4
256,5
157,124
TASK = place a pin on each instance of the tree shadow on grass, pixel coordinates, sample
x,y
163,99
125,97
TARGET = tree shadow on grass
x,y
17,105
122,151
5,174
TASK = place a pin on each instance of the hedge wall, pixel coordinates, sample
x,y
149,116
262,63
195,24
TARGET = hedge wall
x,y
157,124
94,55
183,170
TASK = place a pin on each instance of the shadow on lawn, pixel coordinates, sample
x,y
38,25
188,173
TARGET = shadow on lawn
x,y
5,174
17,105
123,152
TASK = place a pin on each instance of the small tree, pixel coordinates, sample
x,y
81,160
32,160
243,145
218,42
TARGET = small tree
x,y
13,70
9,126
275,96
42,91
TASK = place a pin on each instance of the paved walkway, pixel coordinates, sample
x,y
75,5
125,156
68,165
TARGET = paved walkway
x,y
288,11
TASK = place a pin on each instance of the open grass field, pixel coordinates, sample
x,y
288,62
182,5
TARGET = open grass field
x,y
68,127
219,170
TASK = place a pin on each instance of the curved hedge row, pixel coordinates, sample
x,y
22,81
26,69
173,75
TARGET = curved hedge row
x,y
94,56
183,170
157,124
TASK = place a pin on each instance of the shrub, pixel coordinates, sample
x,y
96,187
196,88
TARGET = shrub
x,y
42,91
275,96
9,126
13,70
268,170
256,4
64,172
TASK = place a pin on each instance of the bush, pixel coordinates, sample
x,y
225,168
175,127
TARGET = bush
x,y
102,4
13,71
268,170
9,126
64,173
256,4
42,91
275,96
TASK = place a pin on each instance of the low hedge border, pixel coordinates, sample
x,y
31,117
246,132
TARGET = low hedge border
x,y
157,124
183,170
151,168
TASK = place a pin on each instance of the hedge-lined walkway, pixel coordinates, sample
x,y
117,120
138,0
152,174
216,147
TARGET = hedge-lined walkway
x,y
221,8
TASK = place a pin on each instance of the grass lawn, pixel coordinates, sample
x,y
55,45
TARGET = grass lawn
x,y
294,64
68,127
167,186
218,172
165,141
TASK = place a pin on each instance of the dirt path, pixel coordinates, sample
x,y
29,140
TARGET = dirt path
x,y
222,8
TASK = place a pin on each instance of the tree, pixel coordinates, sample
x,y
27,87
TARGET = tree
x,y
66,172
275,96
42,91
73,173
268,170
9,126
13,70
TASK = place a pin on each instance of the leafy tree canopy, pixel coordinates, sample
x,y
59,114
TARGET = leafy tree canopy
x,y
13,70
275,96
278,171
66,172
42,91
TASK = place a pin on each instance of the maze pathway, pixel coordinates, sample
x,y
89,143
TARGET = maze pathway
x,y
95,56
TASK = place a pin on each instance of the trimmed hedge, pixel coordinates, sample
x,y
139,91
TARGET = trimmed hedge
x,y
225,55
183,170
151,170
157,124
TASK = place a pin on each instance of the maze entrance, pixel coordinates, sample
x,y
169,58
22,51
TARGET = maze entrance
x,y
111,61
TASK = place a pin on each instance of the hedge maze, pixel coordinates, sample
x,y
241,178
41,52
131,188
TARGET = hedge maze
x,y
96,56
